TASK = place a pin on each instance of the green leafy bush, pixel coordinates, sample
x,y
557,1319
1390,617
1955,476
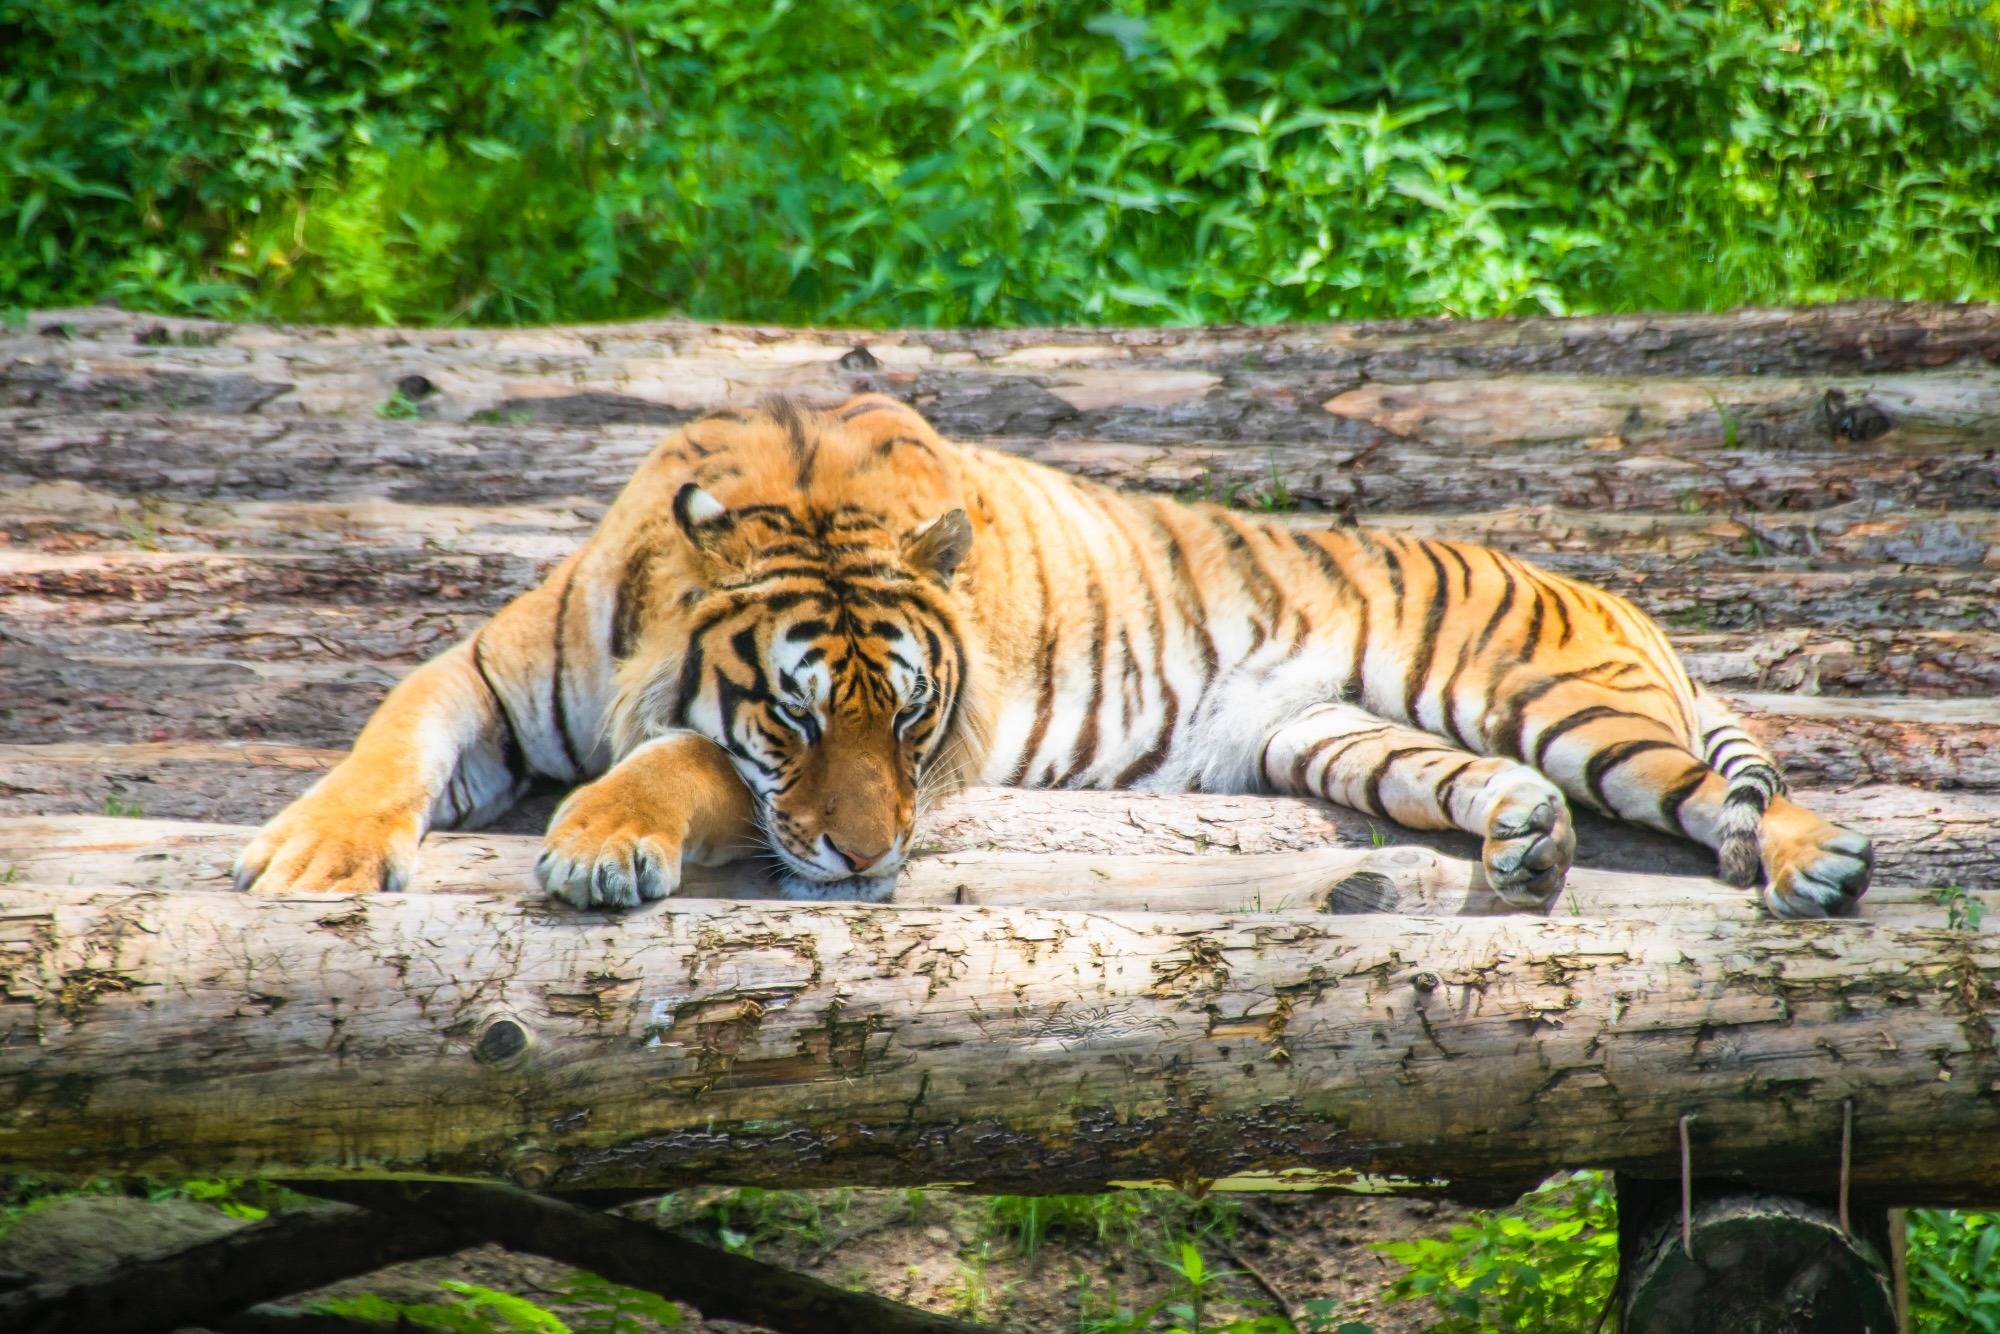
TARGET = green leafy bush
x,y
919,161
1544,1266
1954,1269
598,1307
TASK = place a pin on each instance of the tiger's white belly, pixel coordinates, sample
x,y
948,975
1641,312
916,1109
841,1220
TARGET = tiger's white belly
x,y
1217,732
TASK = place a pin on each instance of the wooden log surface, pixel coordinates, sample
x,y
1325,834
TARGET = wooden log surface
x,y
798,1045
1360,469
169,855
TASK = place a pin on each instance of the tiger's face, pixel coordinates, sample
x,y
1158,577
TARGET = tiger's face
x,y
824,657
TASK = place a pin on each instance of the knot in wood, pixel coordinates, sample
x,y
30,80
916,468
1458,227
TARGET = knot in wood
x,y
505,1040
533,1170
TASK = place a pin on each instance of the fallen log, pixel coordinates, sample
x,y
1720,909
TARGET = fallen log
x,y
800,1045
1854,336
1859,661
168,855
1820,741
323,702
1338,465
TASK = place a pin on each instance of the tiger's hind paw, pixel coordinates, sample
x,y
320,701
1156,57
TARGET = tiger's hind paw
x,y
1811,868
1529,843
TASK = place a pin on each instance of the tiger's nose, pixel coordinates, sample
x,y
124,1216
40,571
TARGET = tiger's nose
x,y
857,861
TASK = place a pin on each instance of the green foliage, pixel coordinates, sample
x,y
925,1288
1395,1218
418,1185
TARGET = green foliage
x,y
396,407
1954,1277
1112,1217
998,161
247,1200
1962,912
602,1307
25,1195
1546,1265
745,1219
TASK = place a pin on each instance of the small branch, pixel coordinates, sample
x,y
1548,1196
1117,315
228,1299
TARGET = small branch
x,y
1286,1307
209,1282
720,1285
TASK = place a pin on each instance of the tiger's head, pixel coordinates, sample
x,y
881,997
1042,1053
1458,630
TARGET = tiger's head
x,y
821,637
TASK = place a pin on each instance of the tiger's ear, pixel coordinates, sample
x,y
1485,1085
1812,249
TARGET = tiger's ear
x,y
697,512
939,547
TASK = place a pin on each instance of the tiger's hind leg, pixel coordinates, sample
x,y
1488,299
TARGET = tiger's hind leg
x,y
1626,753
1809,866
1344,754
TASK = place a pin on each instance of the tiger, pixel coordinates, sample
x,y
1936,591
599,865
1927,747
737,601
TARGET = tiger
x,y
793,629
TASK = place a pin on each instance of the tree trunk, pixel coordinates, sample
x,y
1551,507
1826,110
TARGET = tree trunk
x,y
1749,1264
799,1045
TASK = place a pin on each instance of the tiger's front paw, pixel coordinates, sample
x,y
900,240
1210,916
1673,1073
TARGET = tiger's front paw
x,y
603,851
319,845
1811,868
1529,844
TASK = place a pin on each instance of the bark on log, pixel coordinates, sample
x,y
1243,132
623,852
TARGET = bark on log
x,y
1864,335
1018,1049
170,855
1316,461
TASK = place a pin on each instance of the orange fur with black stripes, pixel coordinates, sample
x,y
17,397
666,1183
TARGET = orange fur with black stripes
x,y
791,629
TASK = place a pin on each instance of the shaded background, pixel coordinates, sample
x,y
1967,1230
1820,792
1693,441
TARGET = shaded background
x,y
934,162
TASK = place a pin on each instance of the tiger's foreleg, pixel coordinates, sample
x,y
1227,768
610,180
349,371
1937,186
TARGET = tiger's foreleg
x,y
438,752
1344,754
455,743
622,840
